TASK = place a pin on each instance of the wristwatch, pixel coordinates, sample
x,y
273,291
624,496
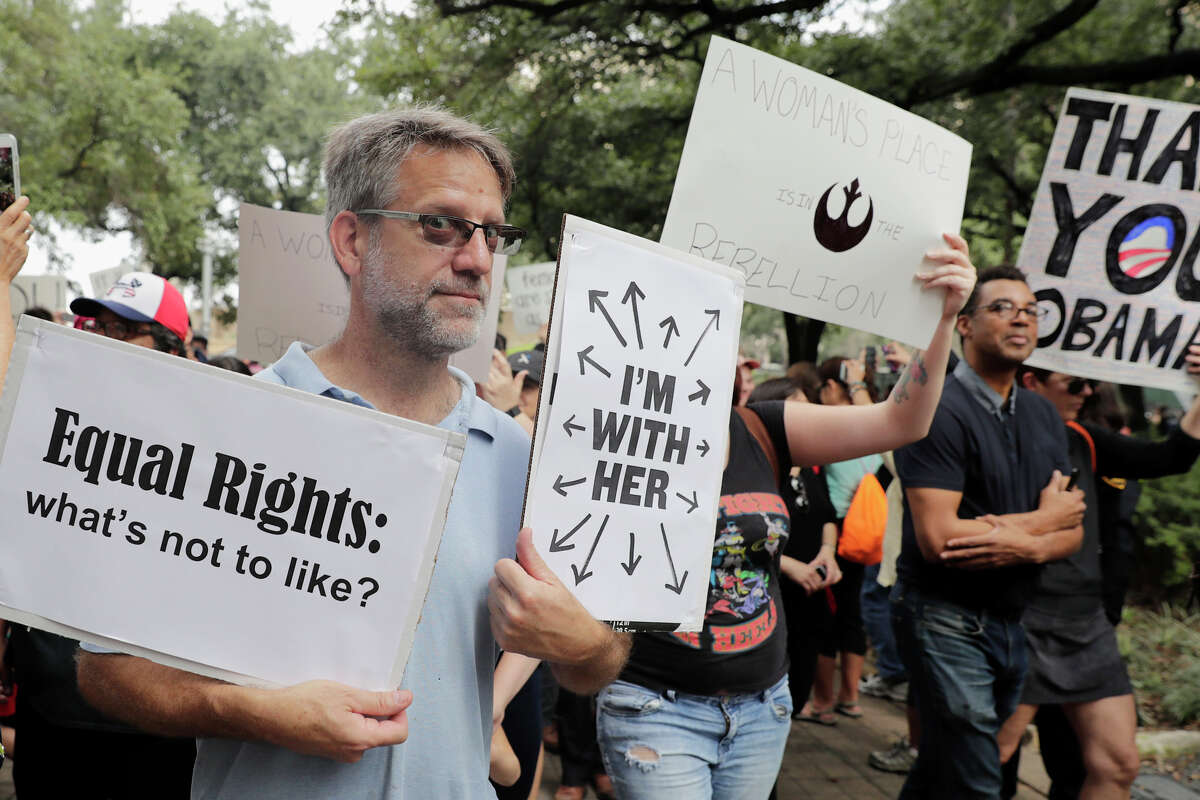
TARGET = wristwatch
x,y
512,412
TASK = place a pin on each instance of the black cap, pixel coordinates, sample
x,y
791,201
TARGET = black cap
x,y
532,360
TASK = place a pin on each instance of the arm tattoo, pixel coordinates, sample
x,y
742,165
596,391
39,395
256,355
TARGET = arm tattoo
x,y
916,372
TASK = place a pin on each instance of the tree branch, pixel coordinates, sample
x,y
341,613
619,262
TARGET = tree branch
x,y
1176,24
718,17
95,139
1040,33
1009,180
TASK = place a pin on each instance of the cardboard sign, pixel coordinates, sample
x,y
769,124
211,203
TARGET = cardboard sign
x,y
631,436
1111,245
32,291
530,292
211,521
290,289
825,197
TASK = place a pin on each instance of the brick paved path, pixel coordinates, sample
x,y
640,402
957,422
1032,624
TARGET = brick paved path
x,y
821,763
830,763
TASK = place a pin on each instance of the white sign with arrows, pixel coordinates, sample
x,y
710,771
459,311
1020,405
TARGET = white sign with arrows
x,y
631,435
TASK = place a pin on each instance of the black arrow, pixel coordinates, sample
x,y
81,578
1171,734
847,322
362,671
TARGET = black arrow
x,y
633,562
568,427
559,483
581,573
702,392
558,545
669,324
677,586
690,501
594,296
715,314
631,296
583,356
703,447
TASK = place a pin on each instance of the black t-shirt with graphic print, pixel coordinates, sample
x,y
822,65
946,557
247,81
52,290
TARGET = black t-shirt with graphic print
x,y
743,646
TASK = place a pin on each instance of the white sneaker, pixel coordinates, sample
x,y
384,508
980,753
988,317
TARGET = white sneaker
x,y
877,686
899,759
874,686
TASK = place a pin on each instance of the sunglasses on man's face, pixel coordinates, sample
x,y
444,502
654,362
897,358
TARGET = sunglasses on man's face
x,y
445,230
1076,385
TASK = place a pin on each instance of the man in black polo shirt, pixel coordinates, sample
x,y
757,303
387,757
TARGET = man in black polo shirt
x,y
992,451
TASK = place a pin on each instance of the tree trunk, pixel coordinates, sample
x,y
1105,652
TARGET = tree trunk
x,y
1135,401
803,336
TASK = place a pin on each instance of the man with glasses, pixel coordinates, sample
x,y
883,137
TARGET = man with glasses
x,y
986,503
415,211
1076,672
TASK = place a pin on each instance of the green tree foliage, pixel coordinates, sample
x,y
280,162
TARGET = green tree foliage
x,y
1169,538
159,130
99,132
595,95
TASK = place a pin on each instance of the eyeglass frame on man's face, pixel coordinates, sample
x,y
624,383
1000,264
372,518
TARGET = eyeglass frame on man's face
x,y
120,329
463,229
1010,309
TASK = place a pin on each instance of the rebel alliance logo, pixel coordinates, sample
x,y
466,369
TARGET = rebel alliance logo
x,y
837,234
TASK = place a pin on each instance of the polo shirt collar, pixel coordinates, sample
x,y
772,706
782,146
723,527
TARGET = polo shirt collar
x,y
297,370
992,401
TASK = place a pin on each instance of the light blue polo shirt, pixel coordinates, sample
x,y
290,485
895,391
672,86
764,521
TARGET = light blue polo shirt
x,y
453,655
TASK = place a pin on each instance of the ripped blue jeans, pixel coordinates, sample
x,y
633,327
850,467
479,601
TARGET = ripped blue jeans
x,y
674,745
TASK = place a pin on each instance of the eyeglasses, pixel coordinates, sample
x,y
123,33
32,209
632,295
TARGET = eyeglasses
x,y
445,230
1077,385
117,329
1009,309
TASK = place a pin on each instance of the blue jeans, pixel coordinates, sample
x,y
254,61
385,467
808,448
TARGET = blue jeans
x,y
877,617
966,667
673,745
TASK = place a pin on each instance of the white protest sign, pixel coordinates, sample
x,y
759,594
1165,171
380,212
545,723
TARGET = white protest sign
x,y
825,197
630,441
102,280
211,521
33,291
290,289
1111,245
530,291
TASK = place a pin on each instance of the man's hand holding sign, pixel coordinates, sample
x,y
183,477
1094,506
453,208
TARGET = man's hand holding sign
x,y
320,718
534,613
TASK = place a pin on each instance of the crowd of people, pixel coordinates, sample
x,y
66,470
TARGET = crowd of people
x,y
965,526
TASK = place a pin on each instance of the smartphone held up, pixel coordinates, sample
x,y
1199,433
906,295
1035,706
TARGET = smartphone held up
x,y
10,172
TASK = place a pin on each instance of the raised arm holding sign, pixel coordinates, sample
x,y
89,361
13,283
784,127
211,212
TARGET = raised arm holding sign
x,y
735,663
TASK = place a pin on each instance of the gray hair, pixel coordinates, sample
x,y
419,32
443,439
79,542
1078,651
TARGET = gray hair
x,y
363,155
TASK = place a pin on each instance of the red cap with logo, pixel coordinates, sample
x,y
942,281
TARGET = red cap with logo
x,y
142,297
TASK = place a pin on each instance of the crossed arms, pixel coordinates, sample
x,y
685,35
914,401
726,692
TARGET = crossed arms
x,y
1053,531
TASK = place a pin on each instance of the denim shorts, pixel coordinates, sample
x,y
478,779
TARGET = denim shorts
x,y
675,745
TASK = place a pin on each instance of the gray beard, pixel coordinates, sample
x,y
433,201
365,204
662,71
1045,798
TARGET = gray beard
x,y
402,310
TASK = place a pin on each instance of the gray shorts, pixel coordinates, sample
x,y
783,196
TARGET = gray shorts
x,y
1072,659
